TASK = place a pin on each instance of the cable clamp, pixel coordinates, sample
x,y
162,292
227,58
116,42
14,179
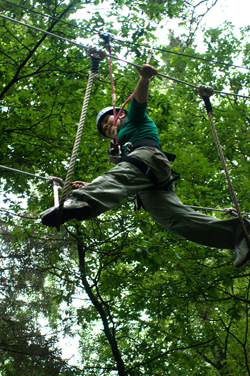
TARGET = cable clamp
x,y
55,179
107,37
93,51
230,211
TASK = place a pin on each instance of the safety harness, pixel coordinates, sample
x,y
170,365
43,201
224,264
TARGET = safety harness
x,y
144,167
116,151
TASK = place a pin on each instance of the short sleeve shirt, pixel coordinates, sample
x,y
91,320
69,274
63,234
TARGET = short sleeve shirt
x,y
138,125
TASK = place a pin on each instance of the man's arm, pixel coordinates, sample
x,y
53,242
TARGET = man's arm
x,y
142,88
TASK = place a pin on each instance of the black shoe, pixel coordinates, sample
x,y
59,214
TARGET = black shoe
x,y
72,209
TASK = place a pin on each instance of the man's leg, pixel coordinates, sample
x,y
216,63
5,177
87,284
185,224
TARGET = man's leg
x,y
102,194
166,208
110,189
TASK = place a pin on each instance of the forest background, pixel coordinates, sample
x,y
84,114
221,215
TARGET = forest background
x,y
136,299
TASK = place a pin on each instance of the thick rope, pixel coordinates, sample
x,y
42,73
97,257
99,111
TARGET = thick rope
x,y
75,148
205,92
93,74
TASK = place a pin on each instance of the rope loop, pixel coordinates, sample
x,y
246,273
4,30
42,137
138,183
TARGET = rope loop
x,y
55,178
205,91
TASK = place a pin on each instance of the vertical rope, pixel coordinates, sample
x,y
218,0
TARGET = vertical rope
x,y
107,37
93,74
205,92
151,53
113,93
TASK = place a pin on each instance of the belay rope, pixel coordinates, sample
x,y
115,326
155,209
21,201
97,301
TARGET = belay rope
x,y
107,37
95,56
205,93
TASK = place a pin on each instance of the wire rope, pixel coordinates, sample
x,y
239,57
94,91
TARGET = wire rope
x,y
224,211
44,31
44,178
24,172
182,54
44,15
128,42
116,58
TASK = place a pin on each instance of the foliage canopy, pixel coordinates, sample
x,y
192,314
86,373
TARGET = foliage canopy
x,y
141,300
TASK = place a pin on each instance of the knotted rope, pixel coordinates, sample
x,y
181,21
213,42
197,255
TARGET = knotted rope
x,y
205,93
95,56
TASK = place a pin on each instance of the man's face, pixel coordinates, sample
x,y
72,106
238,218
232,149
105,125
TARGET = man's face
x,y
107,124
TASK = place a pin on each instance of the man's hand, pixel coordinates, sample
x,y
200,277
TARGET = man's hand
x,y
141,90
147,71
78,184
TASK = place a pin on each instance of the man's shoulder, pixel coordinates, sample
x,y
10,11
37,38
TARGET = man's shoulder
x,y
137,111
136,104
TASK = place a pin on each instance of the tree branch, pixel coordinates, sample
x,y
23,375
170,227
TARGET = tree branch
x,y
99,307
31,53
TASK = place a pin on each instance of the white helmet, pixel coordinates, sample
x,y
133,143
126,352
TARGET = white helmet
x,y
103,112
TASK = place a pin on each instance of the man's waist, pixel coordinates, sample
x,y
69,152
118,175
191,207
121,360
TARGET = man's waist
x,y
149,143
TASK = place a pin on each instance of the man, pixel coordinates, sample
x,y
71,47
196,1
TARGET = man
x,y
148,174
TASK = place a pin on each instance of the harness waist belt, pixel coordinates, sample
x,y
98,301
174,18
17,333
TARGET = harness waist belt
x,y
143,167
151,143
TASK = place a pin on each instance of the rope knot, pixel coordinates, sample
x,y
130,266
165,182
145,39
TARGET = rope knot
x,y
55,178
96,56
100,54
205,91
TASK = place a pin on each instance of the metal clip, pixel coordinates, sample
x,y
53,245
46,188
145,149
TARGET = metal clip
x,y
107,37
114,159
128,147
114,152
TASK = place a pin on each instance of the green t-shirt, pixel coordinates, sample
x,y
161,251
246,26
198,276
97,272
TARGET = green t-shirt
x,y
138,125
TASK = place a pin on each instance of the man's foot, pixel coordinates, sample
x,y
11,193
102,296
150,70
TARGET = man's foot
x,y
242,253
72,209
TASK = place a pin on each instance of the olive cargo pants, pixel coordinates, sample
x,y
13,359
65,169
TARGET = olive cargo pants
x,y
110,189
